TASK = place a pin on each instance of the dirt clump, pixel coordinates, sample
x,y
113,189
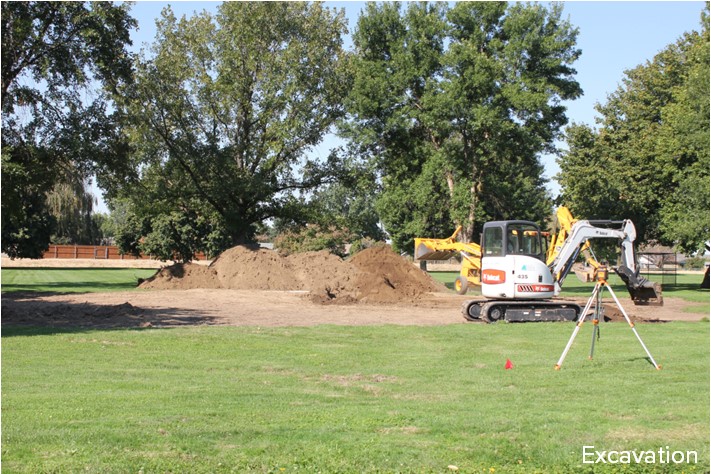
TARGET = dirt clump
x,y
374,275
182,276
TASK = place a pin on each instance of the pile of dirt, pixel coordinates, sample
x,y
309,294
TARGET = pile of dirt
x,y
374,275
385,276
182,276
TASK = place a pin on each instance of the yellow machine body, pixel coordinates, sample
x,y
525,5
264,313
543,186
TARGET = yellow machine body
x,y
444,249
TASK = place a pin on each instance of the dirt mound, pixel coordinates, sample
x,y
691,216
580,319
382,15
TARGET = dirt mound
x,y
182,276
254,269
385,277
375,275
327,277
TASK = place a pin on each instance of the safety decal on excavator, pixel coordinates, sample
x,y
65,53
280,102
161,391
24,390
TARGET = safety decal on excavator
x,y
493,277
534,288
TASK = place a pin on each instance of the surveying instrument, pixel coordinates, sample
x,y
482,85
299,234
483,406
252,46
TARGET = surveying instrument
x,y
601,274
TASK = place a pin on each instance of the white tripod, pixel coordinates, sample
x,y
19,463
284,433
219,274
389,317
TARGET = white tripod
x,y
597,299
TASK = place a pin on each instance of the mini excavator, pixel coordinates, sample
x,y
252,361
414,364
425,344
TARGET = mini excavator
x,y
518,276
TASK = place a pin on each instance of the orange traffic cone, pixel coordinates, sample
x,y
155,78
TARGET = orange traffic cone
x,y
509,364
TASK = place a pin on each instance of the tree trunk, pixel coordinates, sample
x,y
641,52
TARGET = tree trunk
x,y
468,230
705,282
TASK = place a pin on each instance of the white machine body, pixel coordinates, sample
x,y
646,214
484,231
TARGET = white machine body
x,y
513,262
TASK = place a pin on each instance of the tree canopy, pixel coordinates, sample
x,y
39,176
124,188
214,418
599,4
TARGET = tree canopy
x,y
649,159
61,61
444,110
454,105
221,117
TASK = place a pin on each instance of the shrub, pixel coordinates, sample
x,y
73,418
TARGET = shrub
x,y
695,263
314,237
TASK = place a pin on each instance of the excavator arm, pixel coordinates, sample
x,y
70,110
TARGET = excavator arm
x,y
641,290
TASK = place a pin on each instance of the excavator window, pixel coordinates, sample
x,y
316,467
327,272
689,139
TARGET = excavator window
x,y
493,242
502,238
524,239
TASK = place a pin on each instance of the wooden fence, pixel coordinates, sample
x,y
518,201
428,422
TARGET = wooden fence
x,y
96,252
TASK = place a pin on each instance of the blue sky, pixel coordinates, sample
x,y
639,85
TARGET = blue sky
x,y
613,36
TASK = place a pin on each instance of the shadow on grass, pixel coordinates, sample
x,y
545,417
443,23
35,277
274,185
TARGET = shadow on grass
x,y
23,314
68,287
685,287
74,280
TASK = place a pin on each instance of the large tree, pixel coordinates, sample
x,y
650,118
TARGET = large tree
x,y
71,205
224,112
455,105
61,61
649,159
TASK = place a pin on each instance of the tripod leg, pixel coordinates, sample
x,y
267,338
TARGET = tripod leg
x,y
595,334
634,330
596,322
581,320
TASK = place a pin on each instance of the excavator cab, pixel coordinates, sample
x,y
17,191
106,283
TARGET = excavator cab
x,y
513,261
501,238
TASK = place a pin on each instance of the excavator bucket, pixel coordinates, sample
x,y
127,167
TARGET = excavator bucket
x,y
642,291
437,249
650,294
424,251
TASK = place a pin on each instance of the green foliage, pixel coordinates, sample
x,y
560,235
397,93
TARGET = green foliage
x,y
348,203
71,204
314,237
26,223
222,116
649,161
52,54
128,234
695,263
454,105
168,235
362,244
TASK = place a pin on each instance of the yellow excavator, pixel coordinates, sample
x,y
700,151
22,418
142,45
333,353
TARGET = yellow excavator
x,y
520,275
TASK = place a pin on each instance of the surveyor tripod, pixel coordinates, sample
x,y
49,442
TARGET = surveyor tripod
x,y
596,299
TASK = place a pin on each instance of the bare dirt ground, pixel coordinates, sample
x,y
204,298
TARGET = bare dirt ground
x,y
249,287
170,308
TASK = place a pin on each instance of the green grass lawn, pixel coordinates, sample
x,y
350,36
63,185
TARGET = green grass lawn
x,y
345,399
72,280
350,399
